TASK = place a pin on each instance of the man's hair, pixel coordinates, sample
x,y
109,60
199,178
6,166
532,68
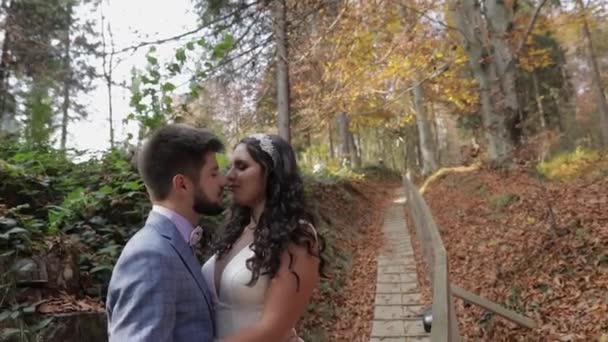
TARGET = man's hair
x,y
171,150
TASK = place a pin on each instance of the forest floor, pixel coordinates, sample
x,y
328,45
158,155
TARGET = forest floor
x,y
536,246
342,308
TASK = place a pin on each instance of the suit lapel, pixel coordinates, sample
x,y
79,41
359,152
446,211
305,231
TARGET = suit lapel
x,y
167,229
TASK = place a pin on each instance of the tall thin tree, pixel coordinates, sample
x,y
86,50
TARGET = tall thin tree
x,y
280,23
596,79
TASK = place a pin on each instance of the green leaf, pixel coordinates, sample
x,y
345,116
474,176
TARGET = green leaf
x,y
201,74
168,86
194,90
180,55
109,249
174,69
221,49
42,324
9,332
167,100
16,230
152,60
30,308
190,46
6,254
155,77
101,268
136,185
4,315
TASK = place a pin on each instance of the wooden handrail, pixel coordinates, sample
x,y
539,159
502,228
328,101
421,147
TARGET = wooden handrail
x,y
497,309
445,326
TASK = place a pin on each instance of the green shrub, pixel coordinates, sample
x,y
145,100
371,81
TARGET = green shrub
x,y
568,165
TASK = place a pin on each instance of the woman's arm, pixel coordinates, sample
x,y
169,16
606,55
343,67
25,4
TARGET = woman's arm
x,y
284,303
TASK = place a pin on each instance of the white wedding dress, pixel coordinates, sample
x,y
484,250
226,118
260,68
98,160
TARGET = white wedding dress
x,y
238,306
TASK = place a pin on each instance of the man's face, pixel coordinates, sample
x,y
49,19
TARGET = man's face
x,y
207,196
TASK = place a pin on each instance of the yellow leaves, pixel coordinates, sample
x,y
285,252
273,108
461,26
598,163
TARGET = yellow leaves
x,y
535,58
369,59
461,60
394,27
569,165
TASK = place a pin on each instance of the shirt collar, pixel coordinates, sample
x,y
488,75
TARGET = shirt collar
x,y
184,227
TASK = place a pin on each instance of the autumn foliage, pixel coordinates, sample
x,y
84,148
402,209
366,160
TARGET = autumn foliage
x,y
537,247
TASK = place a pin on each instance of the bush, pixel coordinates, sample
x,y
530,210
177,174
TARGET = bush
x,y
568,165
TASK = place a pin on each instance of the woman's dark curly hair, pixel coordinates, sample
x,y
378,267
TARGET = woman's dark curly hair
x,y
285,219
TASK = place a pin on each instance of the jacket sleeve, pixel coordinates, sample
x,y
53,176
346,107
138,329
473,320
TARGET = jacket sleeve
x,y
142,299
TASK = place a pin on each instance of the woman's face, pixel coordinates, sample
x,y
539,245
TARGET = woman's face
x,y
246,178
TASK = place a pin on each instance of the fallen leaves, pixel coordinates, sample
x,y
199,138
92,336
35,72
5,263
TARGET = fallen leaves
x,y
357,222
67,303
543,255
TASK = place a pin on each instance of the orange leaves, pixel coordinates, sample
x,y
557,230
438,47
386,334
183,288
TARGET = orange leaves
x,y
66,303
518,255
345,313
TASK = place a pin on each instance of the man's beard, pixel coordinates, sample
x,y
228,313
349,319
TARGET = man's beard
x,y
204,206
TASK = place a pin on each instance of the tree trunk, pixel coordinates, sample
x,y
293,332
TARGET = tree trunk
x,y
344,137
598,88
360,147
110,110
566,99
539,102
544,148
469,21
355,160
429,160
381,146
4,62
330,135
108,68
67,79
282,70
411,140
435,129
499,15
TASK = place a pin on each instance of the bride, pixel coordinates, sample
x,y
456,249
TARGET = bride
x,y
268,260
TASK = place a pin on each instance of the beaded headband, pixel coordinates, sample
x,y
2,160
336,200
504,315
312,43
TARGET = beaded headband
x,y
265,144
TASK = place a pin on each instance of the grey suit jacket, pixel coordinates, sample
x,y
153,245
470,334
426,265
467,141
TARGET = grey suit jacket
x,y
157,291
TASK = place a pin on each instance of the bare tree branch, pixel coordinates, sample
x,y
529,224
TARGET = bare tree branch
x,y
230,59
426,16
314,45
186,34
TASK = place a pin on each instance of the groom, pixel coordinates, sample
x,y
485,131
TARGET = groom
x,y
157,292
